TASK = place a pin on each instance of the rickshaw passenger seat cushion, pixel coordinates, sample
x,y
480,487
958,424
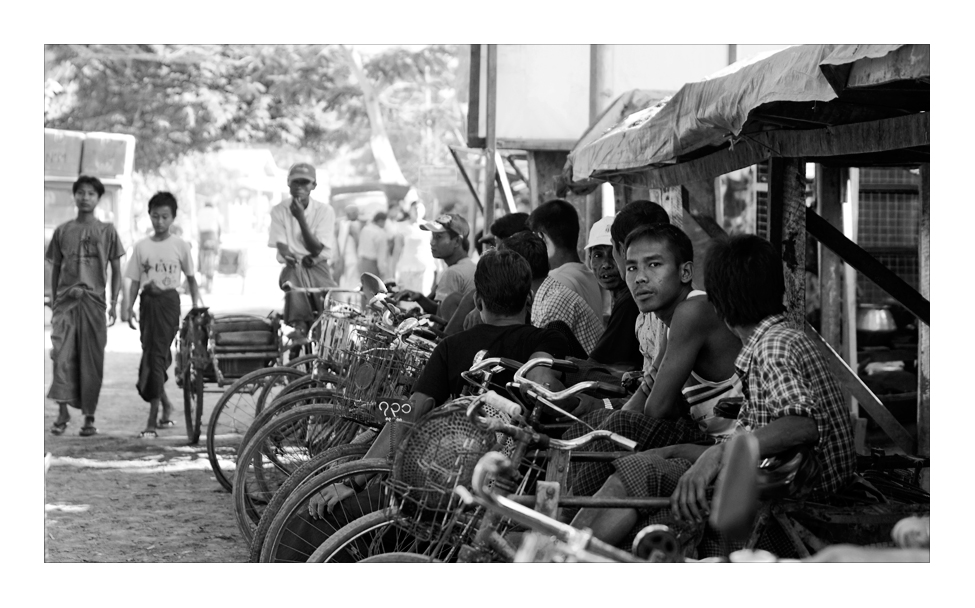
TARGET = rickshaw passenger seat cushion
x,y
254,339
218,326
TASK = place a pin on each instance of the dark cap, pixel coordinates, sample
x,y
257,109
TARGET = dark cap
x,y
448,221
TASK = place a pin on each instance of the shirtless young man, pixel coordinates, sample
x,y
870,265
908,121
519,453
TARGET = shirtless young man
x,y
695,371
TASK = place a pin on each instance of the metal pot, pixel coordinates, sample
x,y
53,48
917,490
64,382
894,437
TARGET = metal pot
x,y
875,318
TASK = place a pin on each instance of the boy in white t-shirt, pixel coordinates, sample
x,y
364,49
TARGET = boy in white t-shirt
x,y
155,268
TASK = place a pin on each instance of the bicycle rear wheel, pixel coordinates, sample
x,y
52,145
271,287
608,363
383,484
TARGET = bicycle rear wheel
x,y
294,534
193,402
328,459
279,447
236,410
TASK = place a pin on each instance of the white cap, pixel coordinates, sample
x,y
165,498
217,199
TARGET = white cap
x,y
599,234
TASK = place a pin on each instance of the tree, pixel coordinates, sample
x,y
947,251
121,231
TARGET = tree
x,y
179,99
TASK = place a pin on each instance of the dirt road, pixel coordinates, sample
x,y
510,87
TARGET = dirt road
x,y
117,498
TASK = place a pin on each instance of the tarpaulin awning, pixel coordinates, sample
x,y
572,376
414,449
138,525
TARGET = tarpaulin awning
x,y
798,88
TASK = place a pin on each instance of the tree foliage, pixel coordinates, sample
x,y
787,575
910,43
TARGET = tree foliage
x,y
178,99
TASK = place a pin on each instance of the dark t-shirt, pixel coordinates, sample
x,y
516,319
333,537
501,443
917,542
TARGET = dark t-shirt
x,y
619,344
441,379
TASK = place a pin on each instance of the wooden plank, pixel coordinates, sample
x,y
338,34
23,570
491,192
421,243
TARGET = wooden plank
x,y
491,151
673,202
787,203
856,257
552,145
474,139
852,384
829,193
502,182
911,131
924,331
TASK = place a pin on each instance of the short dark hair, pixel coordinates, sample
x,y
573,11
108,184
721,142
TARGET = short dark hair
x,y
464,241
679,243
529,246
94,182
379,217
503,281
743,278
559,220
507,225
632,216
163,199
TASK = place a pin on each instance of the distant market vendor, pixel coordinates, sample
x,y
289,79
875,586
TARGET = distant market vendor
x,y
303,232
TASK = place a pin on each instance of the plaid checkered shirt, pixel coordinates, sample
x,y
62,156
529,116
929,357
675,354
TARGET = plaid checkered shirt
x,y
784,375
555,302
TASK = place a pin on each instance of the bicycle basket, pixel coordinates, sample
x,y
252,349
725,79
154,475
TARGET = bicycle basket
x,y
438,453
373,362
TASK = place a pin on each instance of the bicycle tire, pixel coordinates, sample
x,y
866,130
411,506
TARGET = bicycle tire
x,y
293,534
192,402
331,457
234,413
400,557
367,536
293,437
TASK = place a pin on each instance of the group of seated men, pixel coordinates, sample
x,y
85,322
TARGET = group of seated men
x,y
533,297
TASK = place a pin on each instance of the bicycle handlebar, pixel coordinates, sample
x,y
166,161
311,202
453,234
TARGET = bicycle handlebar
x,y
571,391
493,463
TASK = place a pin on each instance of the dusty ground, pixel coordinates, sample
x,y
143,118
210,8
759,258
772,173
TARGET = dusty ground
x,y
117,498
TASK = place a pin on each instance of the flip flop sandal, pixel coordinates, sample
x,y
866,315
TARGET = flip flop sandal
x,y
148,435
58,428
88,431
165,423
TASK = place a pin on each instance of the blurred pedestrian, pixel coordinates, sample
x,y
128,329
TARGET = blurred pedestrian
x,y
346,265
414,262
303,232
374,247
154,269
80,252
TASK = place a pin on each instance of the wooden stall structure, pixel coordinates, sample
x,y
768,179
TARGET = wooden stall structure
x,y
838,106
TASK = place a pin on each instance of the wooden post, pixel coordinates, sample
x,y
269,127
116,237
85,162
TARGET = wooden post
x,y
829,193
850,278
600,66
490,150
673,202
924,330
787,230
534,194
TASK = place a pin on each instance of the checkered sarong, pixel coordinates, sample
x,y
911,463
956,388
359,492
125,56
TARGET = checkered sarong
x,y
587,477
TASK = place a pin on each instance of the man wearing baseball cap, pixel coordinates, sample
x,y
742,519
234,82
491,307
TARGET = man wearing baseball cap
x,y
618,345
303,232
448,242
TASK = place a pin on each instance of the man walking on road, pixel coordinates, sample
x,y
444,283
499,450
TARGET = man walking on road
x,y
303,232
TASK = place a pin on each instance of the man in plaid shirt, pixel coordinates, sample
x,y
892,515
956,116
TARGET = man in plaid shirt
x,y
791,399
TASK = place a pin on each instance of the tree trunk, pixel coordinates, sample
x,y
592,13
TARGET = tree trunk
x,y
382,150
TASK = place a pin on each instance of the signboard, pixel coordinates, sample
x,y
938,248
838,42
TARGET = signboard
x,y
436,175
62,152
107,155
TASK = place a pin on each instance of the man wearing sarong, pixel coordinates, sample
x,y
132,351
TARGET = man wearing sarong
x,y
81,251
303,232
155,268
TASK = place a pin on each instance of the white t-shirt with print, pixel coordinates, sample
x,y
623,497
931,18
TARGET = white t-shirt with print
x,y
160,262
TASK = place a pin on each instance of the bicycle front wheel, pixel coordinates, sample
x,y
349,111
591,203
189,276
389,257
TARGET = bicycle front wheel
x,y
368,536
279,447
294,533
236,410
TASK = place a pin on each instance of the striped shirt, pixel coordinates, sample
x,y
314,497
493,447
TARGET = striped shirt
x,y
784,375
555,302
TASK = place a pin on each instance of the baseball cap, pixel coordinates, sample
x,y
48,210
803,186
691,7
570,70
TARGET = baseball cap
x,y
448,221
599,234
301,171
